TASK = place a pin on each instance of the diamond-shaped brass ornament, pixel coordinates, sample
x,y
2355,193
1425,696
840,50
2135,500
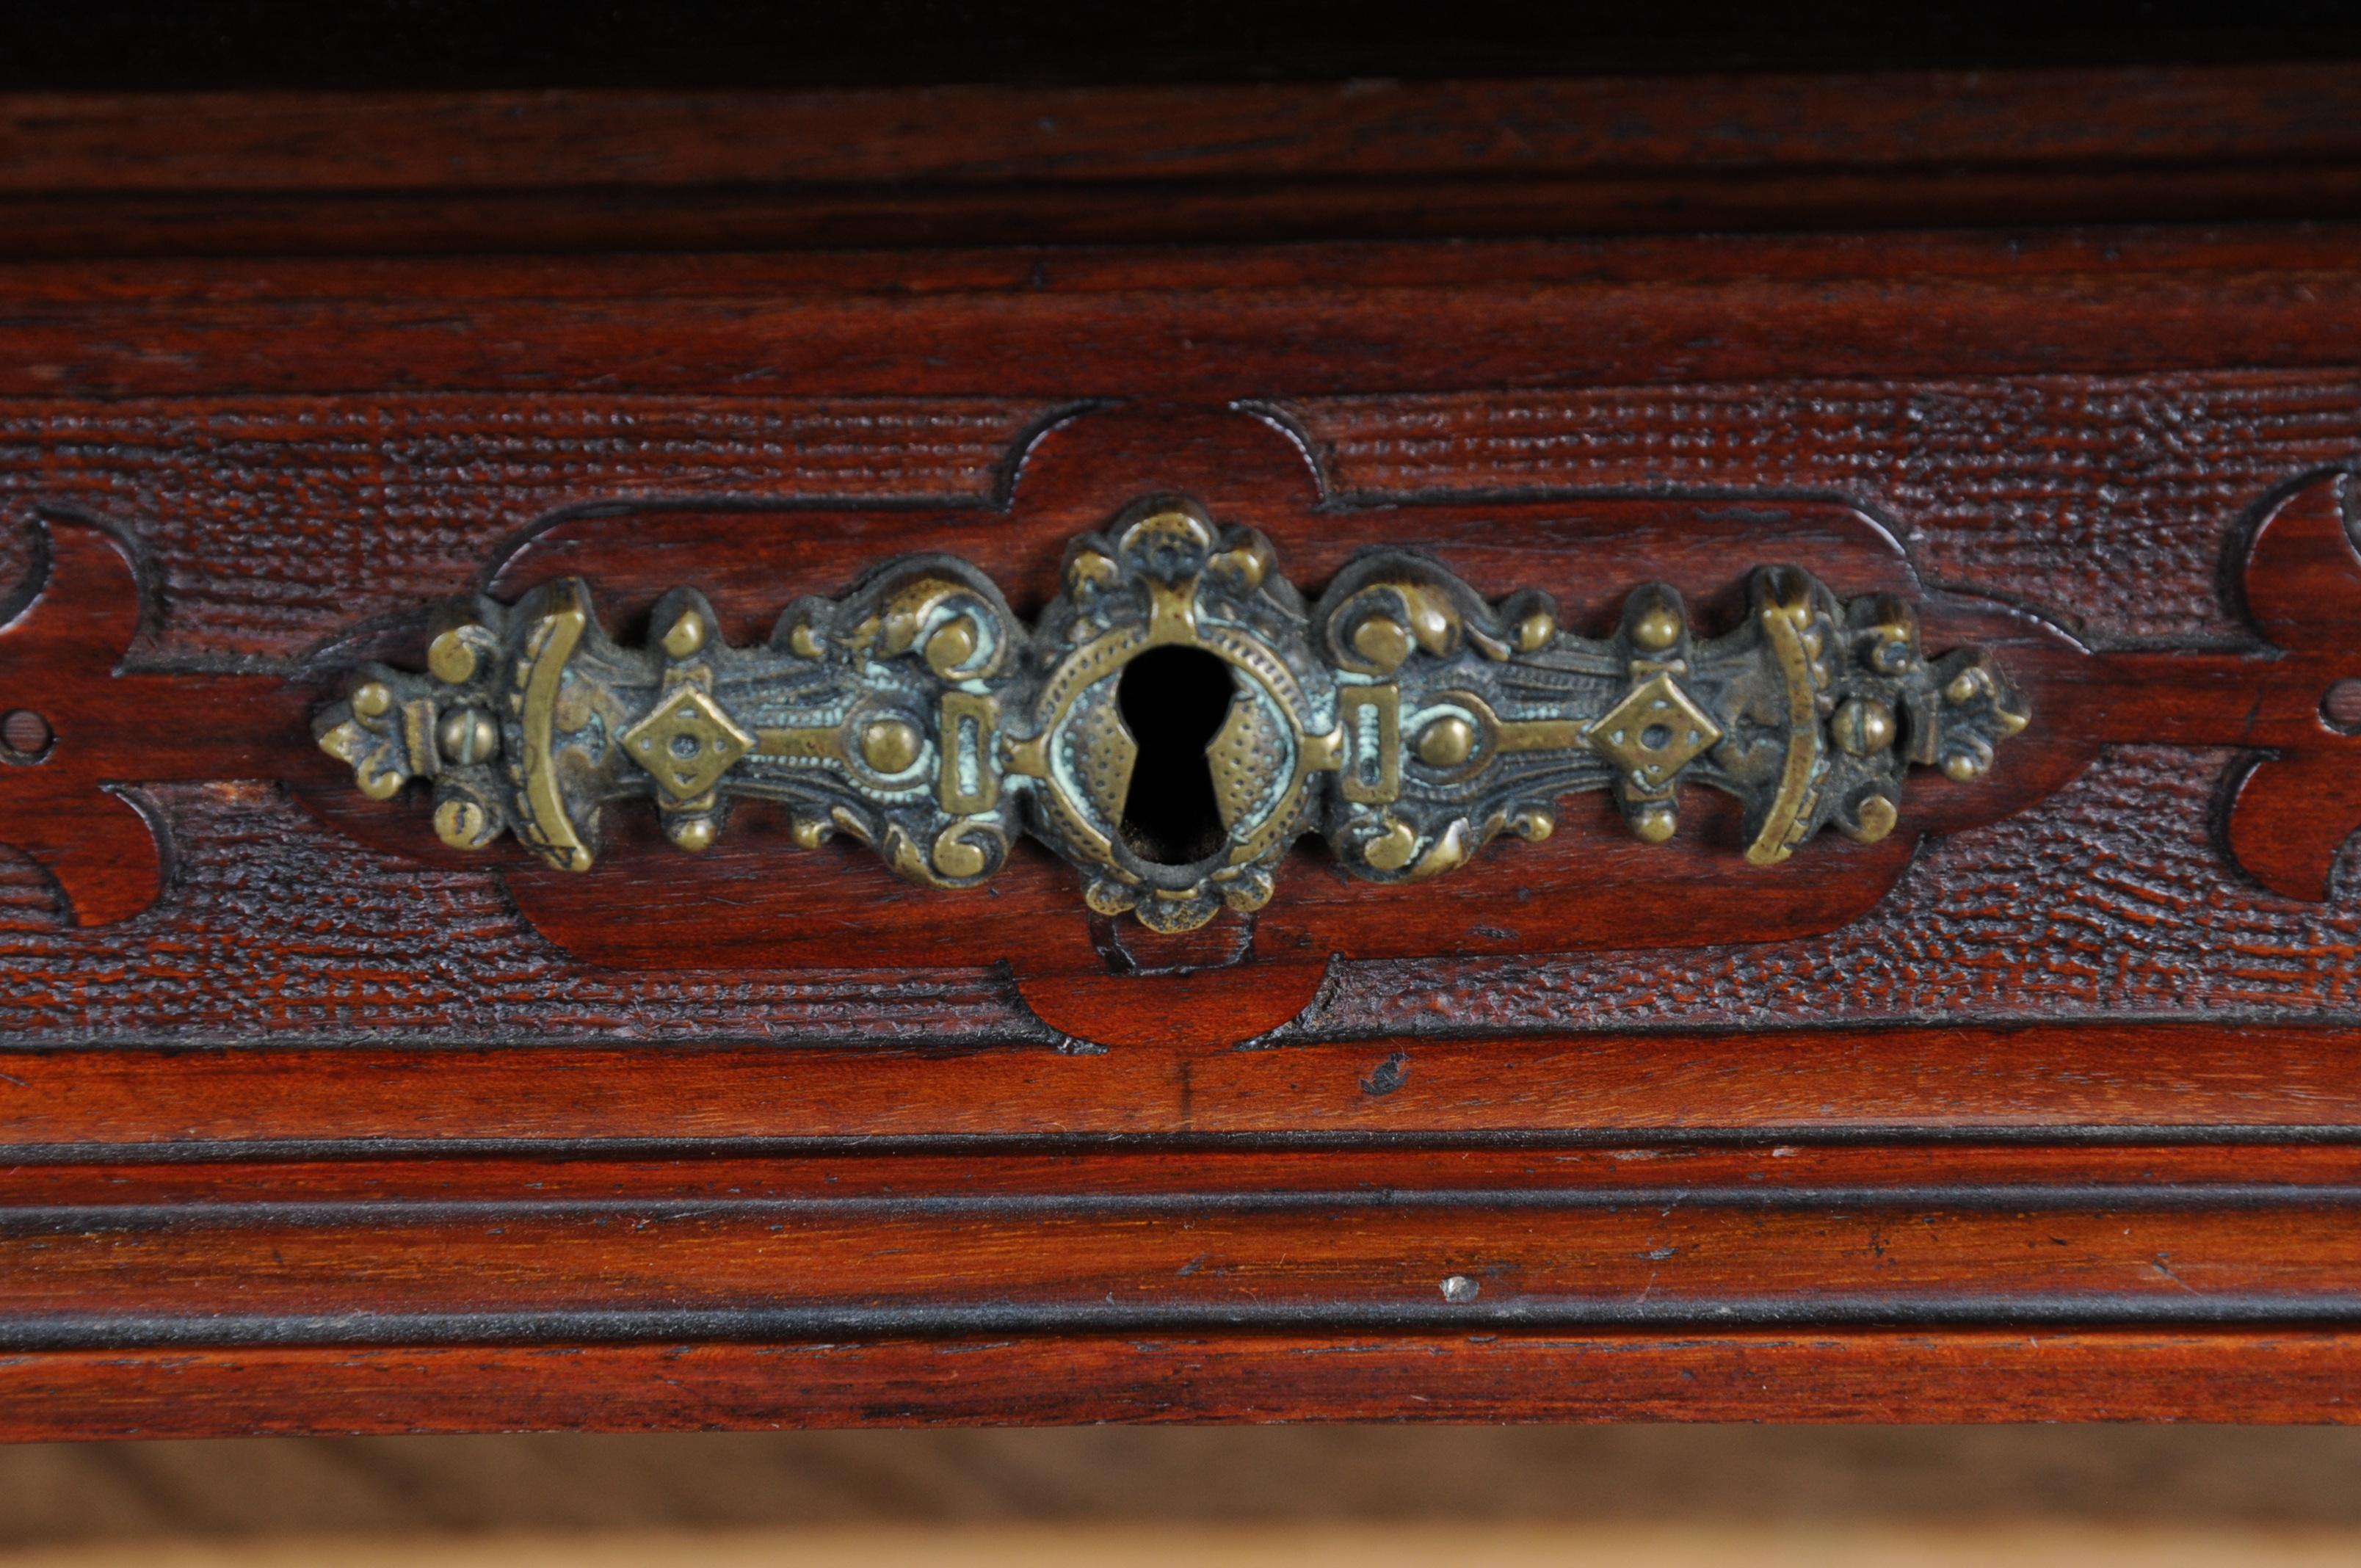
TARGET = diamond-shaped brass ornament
x,y
687,742
1654,734
1406,717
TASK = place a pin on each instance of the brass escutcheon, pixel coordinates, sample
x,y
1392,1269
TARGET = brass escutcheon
x,y
1404,718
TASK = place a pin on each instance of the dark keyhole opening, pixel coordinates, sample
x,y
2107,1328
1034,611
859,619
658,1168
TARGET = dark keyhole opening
x,y
1173,700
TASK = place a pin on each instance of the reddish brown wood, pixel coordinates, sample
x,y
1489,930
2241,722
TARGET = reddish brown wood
x,y
997,134
103,731
93,174
1574,1084
533,1267
2106,502
1990,1168
308,1124
421,1285
1831,1374
643,909
1270,321
2295,809
1575,891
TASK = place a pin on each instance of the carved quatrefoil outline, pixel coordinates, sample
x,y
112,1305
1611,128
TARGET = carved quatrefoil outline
x,y
1405,718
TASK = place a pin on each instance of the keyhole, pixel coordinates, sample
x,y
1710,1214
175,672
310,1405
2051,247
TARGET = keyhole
x,y
1173,700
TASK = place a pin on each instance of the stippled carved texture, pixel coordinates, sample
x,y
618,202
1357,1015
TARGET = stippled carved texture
x,y
273,927
2110,900
19,547
273,523
2106,502
29,900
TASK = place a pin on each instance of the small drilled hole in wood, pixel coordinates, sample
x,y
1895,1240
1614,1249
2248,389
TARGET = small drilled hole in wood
x,y
25,735
2342,706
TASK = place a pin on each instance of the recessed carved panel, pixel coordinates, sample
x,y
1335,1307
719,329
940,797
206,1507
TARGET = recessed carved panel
x,y
1514,672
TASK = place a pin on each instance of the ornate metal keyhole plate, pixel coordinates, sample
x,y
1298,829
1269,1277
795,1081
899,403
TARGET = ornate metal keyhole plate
x,y
1404,718
1166,578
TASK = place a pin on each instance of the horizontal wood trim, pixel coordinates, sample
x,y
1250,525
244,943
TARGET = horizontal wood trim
x,y
1858,1375
1752,1173
1170,132
830,219
1225,326
531,1271
2114,1080
597,169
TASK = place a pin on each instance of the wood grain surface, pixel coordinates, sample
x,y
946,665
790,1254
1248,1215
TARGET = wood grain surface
x,y
359,172
1822,1374
2046,1106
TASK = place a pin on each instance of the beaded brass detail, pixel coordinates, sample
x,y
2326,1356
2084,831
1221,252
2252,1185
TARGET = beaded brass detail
x,y
1404,718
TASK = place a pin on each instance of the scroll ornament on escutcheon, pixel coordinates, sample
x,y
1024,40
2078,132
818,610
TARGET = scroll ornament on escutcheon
x,y
1404,718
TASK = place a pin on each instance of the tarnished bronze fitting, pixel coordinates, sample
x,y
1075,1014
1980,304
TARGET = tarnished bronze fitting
x,y
1403,716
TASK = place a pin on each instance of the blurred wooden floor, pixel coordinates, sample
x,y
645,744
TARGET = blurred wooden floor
x,y
1300,1547
1305,1495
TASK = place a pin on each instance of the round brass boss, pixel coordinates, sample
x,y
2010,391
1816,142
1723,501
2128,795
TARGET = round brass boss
x,y
889,745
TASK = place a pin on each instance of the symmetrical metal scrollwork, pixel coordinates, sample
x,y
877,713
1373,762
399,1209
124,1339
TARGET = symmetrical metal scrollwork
x,y
1405,718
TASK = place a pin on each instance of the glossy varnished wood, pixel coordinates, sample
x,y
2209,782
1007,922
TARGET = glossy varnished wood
x,y
1828,1374
2048,1106
1560,1082
719,171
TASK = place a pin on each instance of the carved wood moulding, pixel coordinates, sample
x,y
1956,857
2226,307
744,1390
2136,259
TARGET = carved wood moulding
x,y
1534,649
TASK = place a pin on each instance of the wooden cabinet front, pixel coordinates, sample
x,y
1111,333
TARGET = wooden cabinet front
x,y
888,766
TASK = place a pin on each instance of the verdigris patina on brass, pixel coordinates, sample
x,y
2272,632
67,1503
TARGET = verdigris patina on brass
x,y
1403,716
